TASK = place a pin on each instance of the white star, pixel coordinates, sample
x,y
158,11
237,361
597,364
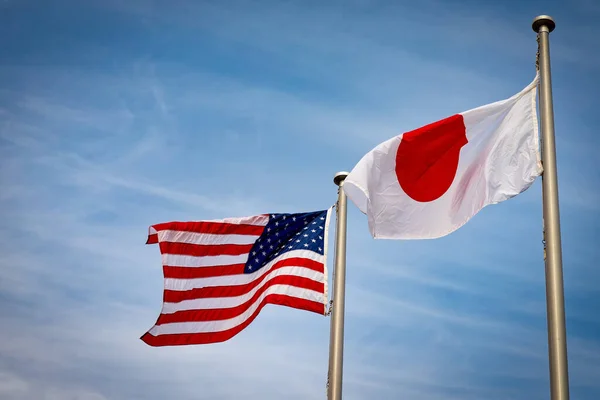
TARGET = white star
x,y
271,247
322,218
268,230
314,223
305,235
284,217
313,231
269,240
261,246
321,237
257,260
319,249
293,218
305,245
298,241
253,253
276,223
264,253
290,247
320,227
314,241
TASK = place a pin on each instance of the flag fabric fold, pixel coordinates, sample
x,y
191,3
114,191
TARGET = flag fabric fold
x,y
219,274
428,182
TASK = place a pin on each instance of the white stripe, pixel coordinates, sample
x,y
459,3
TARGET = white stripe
x,y
229,302
217,326
256,220
238,279
259,220
204,238
176,260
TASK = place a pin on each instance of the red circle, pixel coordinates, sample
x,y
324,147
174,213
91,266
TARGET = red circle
x,y
427,158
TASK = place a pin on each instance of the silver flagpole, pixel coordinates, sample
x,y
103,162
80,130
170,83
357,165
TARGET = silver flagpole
x,y
555,303
336,343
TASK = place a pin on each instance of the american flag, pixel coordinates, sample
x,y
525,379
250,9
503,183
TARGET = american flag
x,y
219,274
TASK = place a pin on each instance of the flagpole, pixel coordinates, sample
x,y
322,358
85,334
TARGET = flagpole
x,y
336,344
555,304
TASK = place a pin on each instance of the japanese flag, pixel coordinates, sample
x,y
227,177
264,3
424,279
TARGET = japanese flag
x,y
428,182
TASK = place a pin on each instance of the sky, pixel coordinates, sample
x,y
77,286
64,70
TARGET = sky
x,y
118,115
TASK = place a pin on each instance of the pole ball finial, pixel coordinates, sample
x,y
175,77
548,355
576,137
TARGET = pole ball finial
x,y
542,20
339,177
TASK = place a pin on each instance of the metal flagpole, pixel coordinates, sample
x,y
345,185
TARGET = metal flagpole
x,y
555,304
336,343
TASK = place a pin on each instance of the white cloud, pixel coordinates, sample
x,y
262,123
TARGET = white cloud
x,y
12,386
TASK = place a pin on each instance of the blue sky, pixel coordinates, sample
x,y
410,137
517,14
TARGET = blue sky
x,y
118,115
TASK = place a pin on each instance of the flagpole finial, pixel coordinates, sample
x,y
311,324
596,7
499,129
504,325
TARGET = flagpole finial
x,y
339,177
543,20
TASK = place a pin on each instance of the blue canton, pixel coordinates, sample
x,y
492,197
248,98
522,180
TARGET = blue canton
x,y
287,232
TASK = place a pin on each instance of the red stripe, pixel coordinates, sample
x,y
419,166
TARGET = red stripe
x,y
202,272
174,296
216,228
199,250
152,239
218,314
234,269
216,337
